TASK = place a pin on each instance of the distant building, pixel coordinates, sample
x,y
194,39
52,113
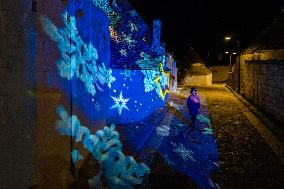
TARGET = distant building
x,y
193,70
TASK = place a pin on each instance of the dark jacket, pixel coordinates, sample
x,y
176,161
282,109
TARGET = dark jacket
x,y
193,107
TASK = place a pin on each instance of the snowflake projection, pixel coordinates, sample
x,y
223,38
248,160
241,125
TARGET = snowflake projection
x,y
123,52
152,81
119,170
174,105
76,156
183,152
127,74
149,83
97,106
203,119
163,130
104,75
132,26
207,131
77,58
148,61
104,5
133,13
128,40
120,103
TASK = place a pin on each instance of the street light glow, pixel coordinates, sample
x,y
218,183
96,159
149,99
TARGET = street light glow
x,y
227,38
234,53
227,52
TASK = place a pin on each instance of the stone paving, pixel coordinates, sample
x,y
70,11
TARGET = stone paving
x,y
225,150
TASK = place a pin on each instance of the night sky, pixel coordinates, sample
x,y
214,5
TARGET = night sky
x,y
203,24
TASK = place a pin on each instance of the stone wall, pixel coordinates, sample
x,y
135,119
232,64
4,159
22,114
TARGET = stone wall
x,y
264,86
261,80
33,154
17,109
219,73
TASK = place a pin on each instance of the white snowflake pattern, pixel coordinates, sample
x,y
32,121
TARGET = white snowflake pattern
x,y
128,40
120,103
123,52
183,152
78,59
132,26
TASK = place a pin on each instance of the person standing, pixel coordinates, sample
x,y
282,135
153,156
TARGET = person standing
x,y
193,104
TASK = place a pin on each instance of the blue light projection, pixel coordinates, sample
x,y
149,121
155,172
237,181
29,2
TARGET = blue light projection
x,y
156,80
120,103
131,34
76,156
77,58
120,171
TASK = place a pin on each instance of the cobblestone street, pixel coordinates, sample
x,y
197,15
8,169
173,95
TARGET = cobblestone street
x,y
225,149
245,158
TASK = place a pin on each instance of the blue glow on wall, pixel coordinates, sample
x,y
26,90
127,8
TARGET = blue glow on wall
x,y
119,170
78,59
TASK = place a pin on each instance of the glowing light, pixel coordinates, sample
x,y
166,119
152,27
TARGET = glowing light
x,y
227,38
119,103
77,58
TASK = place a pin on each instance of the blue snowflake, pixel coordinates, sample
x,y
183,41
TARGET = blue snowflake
x,y
120,103
183,152
123,52
149,83
132,26
127,74
128,40
78,59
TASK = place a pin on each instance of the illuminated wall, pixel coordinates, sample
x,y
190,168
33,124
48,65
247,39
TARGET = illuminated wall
x,y
95,59
138,64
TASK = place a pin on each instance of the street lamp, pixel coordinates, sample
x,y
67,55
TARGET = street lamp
x,y
229,38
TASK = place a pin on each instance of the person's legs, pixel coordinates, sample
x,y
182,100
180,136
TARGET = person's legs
x,y
193,119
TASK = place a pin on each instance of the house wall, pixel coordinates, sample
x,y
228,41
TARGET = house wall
x,y
17,109
33,85
219,73
261,80
198,80
264,86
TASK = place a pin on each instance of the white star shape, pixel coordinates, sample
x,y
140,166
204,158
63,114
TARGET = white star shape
x,y
120,103
128,39
123,52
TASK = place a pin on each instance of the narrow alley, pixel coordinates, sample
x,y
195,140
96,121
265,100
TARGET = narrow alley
x,y
224,150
